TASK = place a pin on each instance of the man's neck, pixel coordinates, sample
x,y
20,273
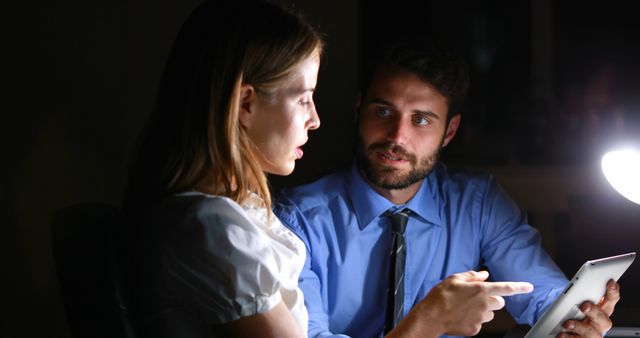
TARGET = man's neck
x,y
399,196
396,196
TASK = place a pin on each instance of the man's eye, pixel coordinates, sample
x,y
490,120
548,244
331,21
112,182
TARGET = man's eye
x,y
304,102
421,120
383,111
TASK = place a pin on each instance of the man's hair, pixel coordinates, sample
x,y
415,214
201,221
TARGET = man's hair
x,y
448,73
194,136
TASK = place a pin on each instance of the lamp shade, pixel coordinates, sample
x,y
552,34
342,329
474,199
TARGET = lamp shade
x,y
622,170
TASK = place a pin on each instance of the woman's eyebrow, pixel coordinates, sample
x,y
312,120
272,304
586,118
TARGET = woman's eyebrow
x,y
299,91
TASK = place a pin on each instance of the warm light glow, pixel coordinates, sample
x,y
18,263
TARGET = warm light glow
x,y
622,170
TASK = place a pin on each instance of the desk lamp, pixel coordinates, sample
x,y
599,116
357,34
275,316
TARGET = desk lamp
x,y
622,170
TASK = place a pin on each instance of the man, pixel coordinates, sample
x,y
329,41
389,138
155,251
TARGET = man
x,y
457,223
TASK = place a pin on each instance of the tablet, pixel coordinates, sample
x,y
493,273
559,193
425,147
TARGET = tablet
x,y
624,332
589,283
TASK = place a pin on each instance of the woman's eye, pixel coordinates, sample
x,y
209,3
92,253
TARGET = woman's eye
x,y
420,120
304,102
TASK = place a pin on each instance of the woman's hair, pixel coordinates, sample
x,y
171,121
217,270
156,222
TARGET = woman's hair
x,y
193,137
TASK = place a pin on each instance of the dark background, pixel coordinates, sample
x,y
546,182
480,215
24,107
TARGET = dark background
x,y
554,83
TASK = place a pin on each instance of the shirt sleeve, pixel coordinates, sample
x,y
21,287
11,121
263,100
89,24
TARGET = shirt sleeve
x,y
309,282
512,251
221,264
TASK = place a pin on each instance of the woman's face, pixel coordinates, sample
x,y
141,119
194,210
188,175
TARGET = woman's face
x,y
278,125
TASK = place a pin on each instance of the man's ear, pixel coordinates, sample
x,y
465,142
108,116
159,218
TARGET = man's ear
x,y
357,111
452,129
247,105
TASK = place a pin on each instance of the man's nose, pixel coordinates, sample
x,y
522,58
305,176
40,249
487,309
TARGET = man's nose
x,y
398,130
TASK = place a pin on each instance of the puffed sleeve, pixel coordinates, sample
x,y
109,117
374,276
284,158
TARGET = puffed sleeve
x,y
220,263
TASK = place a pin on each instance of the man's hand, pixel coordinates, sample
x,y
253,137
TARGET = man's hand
x,y
597,322
459,305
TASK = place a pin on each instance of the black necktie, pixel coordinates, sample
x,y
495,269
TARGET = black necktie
x,y
395,292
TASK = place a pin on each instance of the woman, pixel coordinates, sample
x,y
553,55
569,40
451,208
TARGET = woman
x,y
235,104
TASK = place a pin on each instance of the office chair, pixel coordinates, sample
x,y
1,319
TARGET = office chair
x,y
87,251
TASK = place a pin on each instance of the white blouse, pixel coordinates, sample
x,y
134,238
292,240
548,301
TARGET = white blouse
x,y
231,261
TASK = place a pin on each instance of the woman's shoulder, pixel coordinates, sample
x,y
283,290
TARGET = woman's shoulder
x,y
210,210
206,203
211,237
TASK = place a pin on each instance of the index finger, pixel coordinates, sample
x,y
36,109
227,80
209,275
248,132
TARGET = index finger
x,y
507,288
611,297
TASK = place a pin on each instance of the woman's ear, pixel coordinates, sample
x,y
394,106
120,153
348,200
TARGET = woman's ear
x,y
247,104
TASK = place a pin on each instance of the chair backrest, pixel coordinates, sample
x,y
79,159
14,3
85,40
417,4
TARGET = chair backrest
x,y
87,249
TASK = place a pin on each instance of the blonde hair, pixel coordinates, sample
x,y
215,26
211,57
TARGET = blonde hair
x,y
194,138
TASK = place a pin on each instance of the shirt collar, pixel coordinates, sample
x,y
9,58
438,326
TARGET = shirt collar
x,y
369,204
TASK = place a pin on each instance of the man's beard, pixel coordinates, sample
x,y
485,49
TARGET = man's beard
x,y
387,177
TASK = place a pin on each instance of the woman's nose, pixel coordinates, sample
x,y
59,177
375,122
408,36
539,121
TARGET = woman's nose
x,y
314,119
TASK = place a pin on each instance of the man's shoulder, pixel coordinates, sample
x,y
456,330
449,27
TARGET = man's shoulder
x,y
463,178
317,193
473,184
318,199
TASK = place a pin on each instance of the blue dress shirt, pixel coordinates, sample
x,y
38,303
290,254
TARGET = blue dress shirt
x,y
460,222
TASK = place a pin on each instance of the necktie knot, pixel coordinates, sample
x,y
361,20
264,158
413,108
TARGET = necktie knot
x,y
399,221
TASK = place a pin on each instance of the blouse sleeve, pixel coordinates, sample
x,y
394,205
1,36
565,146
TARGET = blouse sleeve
x,y
221,264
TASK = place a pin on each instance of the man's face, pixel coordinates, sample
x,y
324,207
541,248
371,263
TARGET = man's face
x,y
402,126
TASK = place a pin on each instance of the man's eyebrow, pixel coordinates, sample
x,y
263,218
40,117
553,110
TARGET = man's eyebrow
x,y
380,102
428,113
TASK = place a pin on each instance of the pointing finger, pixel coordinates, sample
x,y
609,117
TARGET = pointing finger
x,y
507,288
